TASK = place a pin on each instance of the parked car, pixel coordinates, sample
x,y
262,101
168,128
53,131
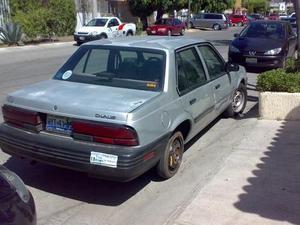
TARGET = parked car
x,y
273,16
215,21
118,108
103,27
16,202
239,20
256,16
264,44
167,26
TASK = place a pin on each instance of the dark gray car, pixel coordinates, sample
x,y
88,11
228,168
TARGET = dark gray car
x,y
215,21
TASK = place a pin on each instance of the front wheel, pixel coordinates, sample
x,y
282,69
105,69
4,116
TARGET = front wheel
x,y
216,27
172,156
182,32
169,33
238,102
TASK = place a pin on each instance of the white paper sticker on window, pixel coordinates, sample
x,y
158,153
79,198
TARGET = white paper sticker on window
x,y
67,75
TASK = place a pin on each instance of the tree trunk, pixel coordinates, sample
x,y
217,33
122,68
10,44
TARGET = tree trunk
x,y
144,22
160,14
297,10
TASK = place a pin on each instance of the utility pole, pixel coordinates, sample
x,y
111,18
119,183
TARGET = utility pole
x,y
297,11
189,14
94,8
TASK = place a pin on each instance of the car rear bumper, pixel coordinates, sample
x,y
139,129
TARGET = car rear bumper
x,y
73,154
262,61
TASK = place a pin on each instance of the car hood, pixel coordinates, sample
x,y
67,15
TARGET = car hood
x,y
83,101
85,29
256,44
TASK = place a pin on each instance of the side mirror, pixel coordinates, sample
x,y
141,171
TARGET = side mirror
x,y
236,35
232,67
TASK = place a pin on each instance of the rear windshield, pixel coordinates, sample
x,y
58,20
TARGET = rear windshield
x,y
97,23
164,22
125,67
265,30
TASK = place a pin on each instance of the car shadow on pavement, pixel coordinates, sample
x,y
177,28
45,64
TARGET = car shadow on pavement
x,y
76,185
274,189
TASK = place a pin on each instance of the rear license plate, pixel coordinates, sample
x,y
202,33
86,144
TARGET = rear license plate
x,y
103,159
81,38
153,32
59,124
251,60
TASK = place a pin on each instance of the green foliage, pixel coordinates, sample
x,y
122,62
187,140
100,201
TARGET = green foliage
x,y
256,6
211,5
279,81
11,34
44,17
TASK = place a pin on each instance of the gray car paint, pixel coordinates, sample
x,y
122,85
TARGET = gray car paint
x,y
151,114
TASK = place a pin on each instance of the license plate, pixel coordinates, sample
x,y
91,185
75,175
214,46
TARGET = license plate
x,y
81,38
153,32
59,124
251,60
103,159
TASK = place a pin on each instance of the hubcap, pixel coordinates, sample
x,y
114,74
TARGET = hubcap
x,y
175,155
238,101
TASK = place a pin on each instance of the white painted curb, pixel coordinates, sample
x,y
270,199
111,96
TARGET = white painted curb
x,y
30,47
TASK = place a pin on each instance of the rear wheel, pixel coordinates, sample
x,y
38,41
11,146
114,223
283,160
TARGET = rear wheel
x,y
172,156
239,24
129,33
238,103
169,33
216,27
191,25
182,32
103,36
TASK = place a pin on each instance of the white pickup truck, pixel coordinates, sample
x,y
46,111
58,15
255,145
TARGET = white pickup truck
x,y
103,27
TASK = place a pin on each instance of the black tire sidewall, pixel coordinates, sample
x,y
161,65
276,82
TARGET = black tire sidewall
x,y
229,112
163,166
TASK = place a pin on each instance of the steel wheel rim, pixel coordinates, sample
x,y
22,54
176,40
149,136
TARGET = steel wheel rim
x,y
175,155
238,101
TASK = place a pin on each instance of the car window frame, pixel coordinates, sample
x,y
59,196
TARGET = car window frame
x,y
189,90
204,62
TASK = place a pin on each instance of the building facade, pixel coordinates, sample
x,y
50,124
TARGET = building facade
x,y
88,9
4,12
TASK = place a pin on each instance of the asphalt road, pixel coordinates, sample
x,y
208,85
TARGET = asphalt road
x,y
66,197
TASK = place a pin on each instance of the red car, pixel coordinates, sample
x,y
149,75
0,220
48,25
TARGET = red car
x,y
273,16
167,26
239,20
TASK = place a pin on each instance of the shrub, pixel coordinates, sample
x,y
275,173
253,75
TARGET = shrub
x,y
11,34
44,18
279,81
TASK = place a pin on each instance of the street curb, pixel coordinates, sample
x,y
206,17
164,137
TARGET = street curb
x,y
28,47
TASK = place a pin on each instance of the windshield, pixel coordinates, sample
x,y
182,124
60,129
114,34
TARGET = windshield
x,y
125,67
164,22
264,30
97,23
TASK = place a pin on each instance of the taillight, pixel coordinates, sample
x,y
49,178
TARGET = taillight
x,y
121,26
104,133
22,117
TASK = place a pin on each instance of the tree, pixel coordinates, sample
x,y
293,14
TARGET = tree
x,y
255,6
211,5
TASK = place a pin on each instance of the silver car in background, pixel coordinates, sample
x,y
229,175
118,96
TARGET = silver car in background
x,y
118,108
215,21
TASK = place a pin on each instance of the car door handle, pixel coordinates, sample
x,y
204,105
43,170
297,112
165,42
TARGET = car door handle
x,y
193,101
218,86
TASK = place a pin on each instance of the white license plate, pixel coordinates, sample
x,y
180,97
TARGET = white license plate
x,y
153,32
59,124
103,159
251,60
81,38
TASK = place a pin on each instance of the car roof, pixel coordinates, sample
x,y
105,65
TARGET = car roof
x,y
151,42
271,21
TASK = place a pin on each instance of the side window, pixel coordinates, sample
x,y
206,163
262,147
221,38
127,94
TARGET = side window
x,y
215,65
93,62
116,23
190,72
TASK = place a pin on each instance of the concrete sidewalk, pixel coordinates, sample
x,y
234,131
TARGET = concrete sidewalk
x,y
258,185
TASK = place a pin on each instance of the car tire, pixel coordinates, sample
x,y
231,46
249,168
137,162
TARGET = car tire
x,y
182,32
191,25
216,27
239,24
169,33
79,43
129,33
239,101
103,36
171,158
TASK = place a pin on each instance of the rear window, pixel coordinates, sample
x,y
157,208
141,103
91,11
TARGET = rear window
x,y
213,16
237,16
164,22
124,67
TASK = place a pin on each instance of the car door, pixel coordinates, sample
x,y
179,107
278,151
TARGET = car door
x,y
177,24
193,88
113,25
220,81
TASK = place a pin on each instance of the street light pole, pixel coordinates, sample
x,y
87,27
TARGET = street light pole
x,y
189,14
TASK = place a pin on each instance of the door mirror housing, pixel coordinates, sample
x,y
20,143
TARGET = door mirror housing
x,y
236,35
232,67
